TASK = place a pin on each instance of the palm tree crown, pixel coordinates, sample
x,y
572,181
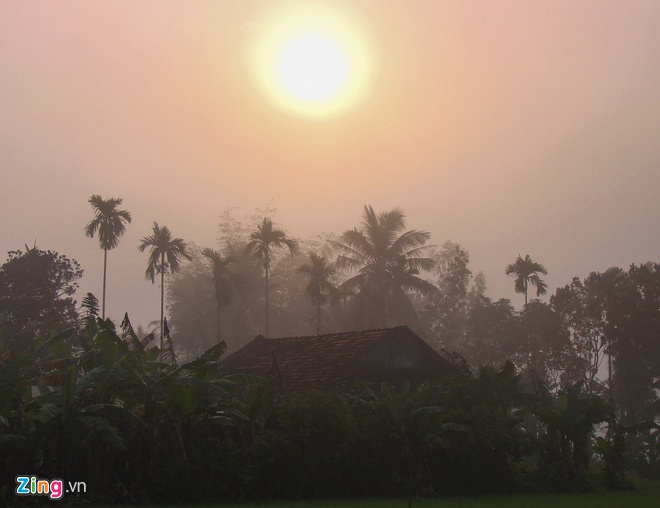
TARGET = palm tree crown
x,y
110,223
164,252
525,271
388,261
225,280
265,239
262,242
319,271
605,285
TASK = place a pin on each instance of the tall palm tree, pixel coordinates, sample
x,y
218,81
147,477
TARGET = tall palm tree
x,y
320,271
262,242
526,272
388,261
164,252
225,280
110,224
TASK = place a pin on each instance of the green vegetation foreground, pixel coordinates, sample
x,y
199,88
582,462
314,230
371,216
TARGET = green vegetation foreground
x,y
106,412
647,496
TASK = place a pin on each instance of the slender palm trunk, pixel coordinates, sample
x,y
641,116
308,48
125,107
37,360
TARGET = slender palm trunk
x,y
267,263
609,373
218,319
162,299
318,317
105,267
525,293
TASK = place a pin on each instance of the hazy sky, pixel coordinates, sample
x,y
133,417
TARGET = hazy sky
x,y
509,127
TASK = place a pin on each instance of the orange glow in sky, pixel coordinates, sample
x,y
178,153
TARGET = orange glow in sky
x,y
508,127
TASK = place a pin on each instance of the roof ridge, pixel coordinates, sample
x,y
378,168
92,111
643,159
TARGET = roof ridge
x,y
348,332
328,360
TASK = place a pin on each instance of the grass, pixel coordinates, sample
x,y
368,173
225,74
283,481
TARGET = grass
x,y
646,496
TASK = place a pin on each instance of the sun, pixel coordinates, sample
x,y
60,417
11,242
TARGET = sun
x,y
312,67
312,62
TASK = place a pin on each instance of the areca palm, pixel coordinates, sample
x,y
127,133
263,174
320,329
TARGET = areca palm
x,y
225,280
526,272
164,252
110,223
320,271
388,261
262,242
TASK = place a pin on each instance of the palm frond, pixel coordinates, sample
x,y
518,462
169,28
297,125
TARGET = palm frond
x,y
108,221
161,247
265,238
525,271
541,287
426,264
387,259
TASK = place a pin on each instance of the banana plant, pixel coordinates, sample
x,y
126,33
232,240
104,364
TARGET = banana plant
x,y
569,418
417,425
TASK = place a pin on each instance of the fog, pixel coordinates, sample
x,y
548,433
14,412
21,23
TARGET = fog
x,y
508,127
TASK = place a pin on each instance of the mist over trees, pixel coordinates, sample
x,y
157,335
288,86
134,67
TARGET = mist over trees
x,y
320,287
226,280
387,275
533,384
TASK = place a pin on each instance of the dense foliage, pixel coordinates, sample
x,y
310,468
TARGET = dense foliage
x,y
36,290
96,405
555,396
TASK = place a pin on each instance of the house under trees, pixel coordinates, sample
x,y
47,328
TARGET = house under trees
x,y
339,361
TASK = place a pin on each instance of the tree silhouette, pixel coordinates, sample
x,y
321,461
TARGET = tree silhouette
x,y
320,271
37,289
164,252
603,288
110,223
262,242
525,271
387,261
225,280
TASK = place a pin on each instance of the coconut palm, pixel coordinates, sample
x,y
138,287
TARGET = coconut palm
x,y
388,261
225,280
262,242
164,252
526,272
110,224
320,271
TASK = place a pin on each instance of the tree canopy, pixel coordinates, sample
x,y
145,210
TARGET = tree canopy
x,y
37,287
388,261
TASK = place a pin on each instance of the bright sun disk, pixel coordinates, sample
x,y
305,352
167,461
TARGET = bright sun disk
x,y
312,67
312,62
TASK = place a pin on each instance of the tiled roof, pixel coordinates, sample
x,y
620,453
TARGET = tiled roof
x,y
313,362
